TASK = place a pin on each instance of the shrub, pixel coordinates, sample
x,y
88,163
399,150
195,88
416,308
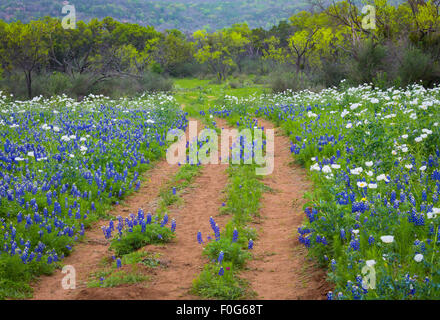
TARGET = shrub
x,y
281,81
332,73
418,66
182,70
368,62
81,85
154,82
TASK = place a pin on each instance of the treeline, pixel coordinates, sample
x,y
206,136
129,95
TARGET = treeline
x,y
313,49
185,15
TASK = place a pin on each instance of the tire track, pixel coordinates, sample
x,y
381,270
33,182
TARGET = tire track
x,y
183,256
280,269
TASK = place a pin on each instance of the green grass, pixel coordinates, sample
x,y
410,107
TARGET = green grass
x,y
108,279
182,180
244,192
211,285
135,239
110,276
195,95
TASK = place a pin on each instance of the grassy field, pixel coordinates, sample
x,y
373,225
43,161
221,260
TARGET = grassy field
x,y
195,95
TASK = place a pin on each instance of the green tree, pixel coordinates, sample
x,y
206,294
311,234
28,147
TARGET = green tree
x,y
174,50
216,49
25,49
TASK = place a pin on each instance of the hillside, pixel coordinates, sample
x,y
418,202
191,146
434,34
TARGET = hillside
x,y
186,15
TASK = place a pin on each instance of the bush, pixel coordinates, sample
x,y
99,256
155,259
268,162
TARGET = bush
x,y
418,66
182,70
14,84
281,81
154,82
368,63
56,83
331,73
81,85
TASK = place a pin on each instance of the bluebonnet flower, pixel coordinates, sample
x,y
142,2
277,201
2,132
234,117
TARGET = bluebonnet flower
x,y
235,236
199,237
220,257
217,232
251,244
165,220
355,244
333,264
342,234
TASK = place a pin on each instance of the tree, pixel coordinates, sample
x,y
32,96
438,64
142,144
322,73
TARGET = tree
x,y
174,50
216,49
239,35
24,48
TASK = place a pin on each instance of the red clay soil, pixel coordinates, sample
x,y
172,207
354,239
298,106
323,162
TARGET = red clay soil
x,y
87,255
280,269
185,255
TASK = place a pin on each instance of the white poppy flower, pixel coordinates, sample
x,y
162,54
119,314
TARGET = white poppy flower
x,y
361,184
387,239
382,177
354,106
356,171
370,263
326,169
